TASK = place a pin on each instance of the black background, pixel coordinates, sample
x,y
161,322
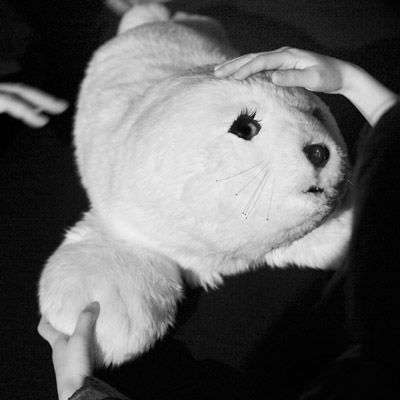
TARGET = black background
x,y
260,333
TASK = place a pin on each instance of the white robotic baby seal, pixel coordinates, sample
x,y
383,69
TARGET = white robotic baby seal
x,y
188,173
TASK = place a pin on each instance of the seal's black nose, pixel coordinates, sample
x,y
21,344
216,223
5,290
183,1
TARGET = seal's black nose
x,y
318,154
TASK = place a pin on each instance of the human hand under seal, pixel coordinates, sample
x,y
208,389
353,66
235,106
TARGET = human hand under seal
x,y
72,355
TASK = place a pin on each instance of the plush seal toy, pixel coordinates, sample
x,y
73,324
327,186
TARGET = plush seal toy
x,y
190,178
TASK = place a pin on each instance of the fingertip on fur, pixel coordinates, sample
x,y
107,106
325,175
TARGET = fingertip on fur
x,y
277,77
93,308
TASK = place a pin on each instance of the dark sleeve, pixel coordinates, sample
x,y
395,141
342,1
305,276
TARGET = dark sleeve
x,y
368,370
390,120
95,389
373,285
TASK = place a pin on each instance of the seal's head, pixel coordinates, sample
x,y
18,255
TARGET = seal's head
x,y
226,167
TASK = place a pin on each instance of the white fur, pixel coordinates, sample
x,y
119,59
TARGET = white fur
x,y
169,185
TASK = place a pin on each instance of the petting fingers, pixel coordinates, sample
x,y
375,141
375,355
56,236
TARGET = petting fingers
x,y
231,66
249,64
263,62
295,78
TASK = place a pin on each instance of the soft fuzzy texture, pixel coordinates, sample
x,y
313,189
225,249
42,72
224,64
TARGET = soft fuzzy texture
x,y
174,194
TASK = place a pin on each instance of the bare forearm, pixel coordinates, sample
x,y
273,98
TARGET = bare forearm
x,y
367,94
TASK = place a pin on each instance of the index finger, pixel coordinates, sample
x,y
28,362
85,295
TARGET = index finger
x,y
263,62
232,66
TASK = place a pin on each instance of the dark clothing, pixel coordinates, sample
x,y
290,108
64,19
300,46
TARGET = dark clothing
x,y
374,260
368,278
368,370
95,389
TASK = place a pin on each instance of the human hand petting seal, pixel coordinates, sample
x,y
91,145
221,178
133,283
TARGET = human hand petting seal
x,y
318,73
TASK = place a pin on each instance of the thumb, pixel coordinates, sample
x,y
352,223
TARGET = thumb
x,y
86,319
295,77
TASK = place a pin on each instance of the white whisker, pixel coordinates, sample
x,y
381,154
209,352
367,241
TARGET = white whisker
x,y
250,206
240,173
251,180
270,199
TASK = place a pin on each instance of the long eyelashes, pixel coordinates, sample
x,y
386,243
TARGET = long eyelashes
x,y
245,126
245,112
261,178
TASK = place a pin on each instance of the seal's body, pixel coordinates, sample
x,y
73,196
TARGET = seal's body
x,y
188,176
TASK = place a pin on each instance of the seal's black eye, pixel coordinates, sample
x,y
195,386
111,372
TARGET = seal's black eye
x,y
245,126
